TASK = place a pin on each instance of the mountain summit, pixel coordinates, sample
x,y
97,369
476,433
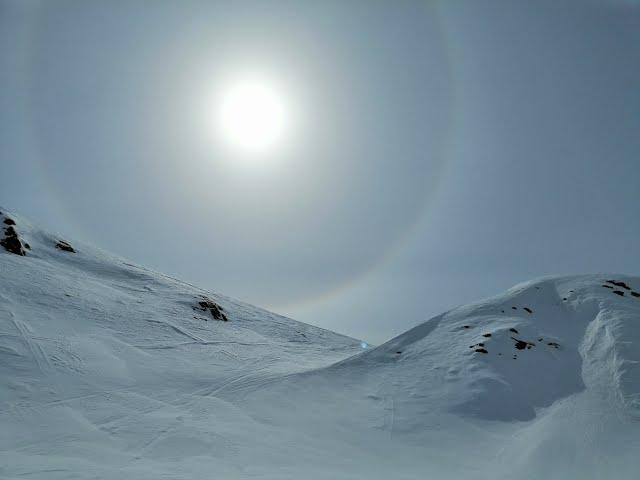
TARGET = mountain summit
x,y
110,370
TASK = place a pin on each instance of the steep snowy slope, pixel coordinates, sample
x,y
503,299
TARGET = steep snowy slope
x,y
540,382
98,356
110,370
506,357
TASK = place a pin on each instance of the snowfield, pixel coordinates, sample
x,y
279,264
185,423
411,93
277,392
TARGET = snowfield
x,y
110,371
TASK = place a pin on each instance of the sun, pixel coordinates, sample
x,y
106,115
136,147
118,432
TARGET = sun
x,y
252,117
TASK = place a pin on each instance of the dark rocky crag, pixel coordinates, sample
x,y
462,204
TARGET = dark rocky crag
x,y
208,305
11,241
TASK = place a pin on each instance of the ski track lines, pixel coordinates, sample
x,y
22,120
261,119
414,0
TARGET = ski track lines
x,y
38,353
199,342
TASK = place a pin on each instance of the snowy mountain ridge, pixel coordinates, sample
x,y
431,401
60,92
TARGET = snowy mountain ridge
x,y
109,369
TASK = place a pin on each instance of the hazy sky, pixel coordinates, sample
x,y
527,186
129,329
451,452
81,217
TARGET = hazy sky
x,y
438,152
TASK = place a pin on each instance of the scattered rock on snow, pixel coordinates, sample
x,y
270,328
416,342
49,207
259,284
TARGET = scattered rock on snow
x,y
619,284
521,344
62,245
619,292
208,305
11,242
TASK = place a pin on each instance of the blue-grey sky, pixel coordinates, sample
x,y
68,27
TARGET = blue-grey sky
x,y
439,152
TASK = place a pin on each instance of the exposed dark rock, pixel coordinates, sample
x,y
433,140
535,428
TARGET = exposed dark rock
x,y
607,286
564,299
467,326
62,245
502,311
481,350
521,344
11,242
619,284
27,246
513,330
619,292
514,308
9,221
528,309
635,294
212,307
398,353
486,335
553,344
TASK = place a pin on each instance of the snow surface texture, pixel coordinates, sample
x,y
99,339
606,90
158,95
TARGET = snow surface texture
x,y
109,370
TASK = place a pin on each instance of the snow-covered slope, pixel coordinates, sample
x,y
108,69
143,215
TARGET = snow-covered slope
x,y
109,370
98,357
540,382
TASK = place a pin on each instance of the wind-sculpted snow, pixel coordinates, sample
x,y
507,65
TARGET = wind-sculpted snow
x,y
110,370
500,359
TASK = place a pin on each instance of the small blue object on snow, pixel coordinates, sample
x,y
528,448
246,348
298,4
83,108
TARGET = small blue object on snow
x,y
364,345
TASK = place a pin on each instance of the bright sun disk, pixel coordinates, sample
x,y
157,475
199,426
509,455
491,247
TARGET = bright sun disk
x,y
252,117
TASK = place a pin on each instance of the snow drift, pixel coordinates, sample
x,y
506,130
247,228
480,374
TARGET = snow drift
x,y
109,369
